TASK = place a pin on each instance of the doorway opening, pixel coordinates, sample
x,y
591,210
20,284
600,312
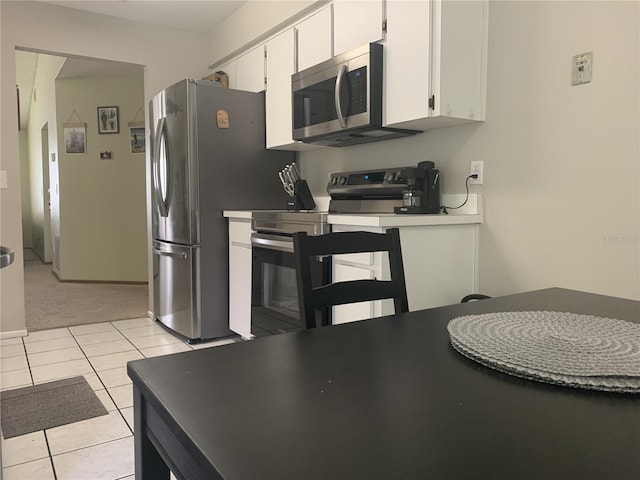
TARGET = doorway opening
x,y
84,218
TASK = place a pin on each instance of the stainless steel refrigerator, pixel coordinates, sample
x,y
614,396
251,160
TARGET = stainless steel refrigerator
x,y
207,155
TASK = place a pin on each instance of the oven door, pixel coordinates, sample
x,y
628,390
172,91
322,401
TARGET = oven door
x,y
274,291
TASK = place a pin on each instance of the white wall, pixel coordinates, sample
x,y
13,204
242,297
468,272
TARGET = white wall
x,y
561,163
252,21
168,55
25,189
43,113
102,202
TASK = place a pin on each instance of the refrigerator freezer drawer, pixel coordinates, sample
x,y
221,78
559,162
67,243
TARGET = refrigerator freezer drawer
x,y
176,289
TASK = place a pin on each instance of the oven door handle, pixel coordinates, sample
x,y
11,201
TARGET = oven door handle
x,y
272,242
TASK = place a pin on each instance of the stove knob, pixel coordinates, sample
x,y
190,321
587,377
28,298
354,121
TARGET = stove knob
x,y
398,178
333,180
342,180
388,177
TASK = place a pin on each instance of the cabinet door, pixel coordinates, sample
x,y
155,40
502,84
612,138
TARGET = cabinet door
x,y
407,49
280,65
240,278
313,39
352,311
230,70
356,23
250,70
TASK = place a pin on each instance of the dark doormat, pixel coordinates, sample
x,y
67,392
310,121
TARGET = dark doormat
x,y
29,409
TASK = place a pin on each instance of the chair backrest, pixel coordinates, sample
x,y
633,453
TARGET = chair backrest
x,y
312,297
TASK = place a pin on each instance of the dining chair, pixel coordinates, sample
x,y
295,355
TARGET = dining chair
x,y
474,297
314,297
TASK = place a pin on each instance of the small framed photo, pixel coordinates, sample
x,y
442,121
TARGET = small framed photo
x,y
136,139
108,120
75,140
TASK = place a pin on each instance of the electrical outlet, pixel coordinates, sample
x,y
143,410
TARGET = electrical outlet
x,y
581,66
476,169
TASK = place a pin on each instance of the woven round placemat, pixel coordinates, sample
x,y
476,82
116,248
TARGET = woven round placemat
x,y
582,351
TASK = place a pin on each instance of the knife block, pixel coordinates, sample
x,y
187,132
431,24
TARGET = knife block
x,y
301,189
302,199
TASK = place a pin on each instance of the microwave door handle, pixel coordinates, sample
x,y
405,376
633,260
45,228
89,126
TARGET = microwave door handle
x,y
162,206
341,74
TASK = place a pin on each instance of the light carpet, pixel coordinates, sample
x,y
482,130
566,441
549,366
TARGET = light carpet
x,y
50,303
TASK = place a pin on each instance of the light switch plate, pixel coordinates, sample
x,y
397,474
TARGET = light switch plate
x,y
3,179
581,67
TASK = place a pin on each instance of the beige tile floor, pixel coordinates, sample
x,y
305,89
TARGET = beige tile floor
x,y
98,448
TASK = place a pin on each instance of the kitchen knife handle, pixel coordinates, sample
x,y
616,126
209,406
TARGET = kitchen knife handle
x,y
296,173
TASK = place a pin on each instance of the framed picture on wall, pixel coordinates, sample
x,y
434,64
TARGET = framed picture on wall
x,y
108,120
136,139
75,139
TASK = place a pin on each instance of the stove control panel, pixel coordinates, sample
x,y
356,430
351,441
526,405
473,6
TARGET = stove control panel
x,y
373,181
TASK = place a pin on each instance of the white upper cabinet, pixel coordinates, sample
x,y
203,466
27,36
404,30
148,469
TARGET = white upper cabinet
x,y
250,70
305,44
230,70
247,71
357,22
314,39
280,67
435,63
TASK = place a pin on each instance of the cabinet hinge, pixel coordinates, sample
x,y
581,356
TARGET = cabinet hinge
x,y
432,102
384,25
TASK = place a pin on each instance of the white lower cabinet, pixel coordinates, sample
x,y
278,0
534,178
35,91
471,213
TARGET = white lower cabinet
x,y
353,311
240,276
440,264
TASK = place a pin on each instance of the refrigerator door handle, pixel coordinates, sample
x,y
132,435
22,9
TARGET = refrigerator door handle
x,y
170,254
160,138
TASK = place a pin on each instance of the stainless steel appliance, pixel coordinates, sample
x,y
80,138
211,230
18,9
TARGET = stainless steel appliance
x,y
274,294
391,190
339,102
207,156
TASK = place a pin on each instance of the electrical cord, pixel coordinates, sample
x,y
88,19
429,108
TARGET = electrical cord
x,y
466,184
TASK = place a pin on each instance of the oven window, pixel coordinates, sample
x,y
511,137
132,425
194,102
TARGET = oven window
x,y
274,292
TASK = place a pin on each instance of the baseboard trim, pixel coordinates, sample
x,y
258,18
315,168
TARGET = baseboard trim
x,y
114,282
13,334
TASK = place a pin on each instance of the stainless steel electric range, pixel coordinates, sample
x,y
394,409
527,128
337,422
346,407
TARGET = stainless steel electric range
x,y
274,295
274,303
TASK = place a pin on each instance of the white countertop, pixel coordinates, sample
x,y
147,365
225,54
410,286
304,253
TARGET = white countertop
x,y
401,220
470,213
238,214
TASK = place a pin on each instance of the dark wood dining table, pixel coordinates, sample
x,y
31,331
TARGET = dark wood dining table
x,y
386,398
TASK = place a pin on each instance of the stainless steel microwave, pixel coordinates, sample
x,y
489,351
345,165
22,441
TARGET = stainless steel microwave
x,y
339,102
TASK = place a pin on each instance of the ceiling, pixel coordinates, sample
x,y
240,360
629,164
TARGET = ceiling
x,y
200,16
193,15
